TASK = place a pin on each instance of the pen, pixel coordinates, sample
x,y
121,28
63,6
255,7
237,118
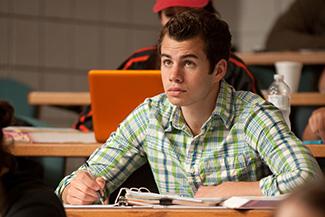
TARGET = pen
x,y
314,142
91,175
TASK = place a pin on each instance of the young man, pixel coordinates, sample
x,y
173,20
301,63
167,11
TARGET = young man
x,y
237,75
201,137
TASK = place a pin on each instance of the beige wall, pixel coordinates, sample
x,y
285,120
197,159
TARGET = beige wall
x,y
51,45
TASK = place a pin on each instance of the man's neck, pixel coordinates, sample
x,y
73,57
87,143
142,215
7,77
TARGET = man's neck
x,y
195,119
196,116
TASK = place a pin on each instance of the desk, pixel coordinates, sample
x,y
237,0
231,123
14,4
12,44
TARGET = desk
x,y
53,149
83,98
86,149
269,58
128,212
58,98
306,99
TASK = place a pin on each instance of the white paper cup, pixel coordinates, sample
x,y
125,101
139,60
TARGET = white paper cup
x,y
291,72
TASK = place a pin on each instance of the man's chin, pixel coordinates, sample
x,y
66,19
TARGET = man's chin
x,y
176,102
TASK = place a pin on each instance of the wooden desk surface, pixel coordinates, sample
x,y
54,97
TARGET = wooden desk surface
x,y
83,98
269,58
59,98
306,99
86,149
129,212
53,149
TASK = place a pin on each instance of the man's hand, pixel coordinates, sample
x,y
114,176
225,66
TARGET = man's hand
x,y
229,189
82,189
317,123
316,126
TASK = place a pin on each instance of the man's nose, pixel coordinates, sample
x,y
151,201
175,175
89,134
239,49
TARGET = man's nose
x,y
176,74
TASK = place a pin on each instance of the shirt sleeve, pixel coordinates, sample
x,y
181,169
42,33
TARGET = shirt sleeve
x,y
290,162
120,155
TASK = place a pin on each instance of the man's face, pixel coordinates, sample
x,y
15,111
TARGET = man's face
x,y
185,72
167,13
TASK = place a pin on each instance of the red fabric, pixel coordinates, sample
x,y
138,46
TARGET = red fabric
x,y
136,59
162,4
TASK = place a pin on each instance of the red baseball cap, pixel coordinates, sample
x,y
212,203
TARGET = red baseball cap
x,y
162,4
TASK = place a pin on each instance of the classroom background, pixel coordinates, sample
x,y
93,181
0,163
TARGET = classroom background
x,y
50,45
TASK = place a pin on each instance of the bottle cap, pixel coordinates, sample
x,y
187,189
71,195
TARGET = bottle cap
x,y
278,77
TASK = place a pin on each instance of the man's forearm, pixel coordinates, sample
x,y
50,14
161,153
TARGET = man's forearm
x,y
229,189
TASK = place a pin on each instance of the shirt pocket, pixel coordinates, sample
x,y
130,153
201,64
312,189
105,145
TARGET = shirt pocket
x,y
214,171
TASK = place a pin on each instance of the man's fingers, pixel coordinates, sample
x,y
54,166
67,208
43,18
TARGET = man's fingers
x,y
101,182
83,189
84,178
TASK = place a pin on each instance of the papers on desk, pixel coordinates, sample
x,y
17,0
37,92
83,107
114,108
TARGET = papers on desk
x,y
148,198
48,135
94,206
139,198
153,200
249,202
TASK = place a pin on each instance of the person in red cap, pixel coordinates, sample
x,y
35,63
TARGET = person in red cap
x,y
237,75
169,8
162,4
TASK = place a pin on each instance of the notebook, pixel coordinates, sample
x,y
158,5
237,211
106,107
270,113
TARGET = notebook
x,y
116,93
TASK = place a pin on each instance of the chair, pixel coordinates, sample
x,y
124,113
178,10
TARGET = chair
x,y
16,93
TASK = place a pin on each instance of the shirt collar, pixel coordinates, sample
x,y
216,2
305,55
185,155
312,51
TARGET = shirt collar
x,y
176,119
224,106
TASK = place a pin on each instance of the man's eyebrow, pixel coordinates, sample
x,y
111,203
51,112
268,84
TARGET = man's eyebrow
x,y
165,55
182,57
189,56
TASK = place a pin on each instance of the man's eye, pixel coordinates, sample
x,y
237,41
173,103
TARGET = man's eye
x,y
189,64
167,62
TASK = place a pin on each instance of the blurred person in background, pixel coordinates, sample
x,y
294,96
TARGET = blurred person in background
x,y
306,201
22,193
302,26
315,130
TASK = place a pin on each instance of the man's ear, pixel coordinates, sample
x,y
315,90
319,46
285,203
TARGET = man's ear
x,y
220,70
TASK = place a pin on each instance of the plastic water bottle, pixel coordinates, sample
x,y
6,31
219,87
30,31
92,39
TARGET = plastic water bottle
x,y
279,96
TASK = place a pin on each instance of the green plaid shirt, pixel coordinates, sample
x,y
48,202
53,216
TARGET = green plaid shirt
x,y
245,139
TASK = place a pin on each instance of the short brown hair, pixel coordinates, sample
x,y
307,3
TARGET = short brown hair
x,y
199,22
